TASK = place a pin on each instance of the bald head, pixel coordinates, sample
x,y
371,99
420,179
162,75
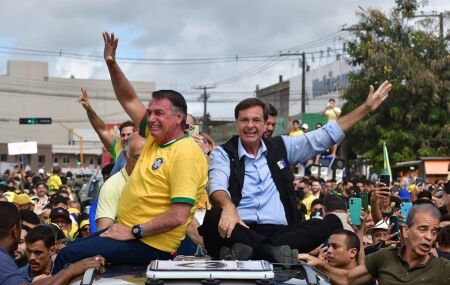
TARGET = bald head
x,y
135,144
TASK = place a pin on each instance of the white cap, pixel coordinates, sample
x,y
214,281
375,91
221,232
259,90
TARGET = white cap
x,y
305,126
381,225
41,171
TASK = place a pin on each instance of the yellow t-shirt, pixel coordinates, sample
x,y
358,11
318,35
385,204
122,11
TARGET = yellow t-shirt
x,y
307,202
54,182
164,175
109,196
332,114
296,133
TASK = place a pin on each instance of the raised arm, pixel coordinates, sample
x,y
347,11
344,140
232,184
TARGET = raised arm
x,y
97,123
124,91
372,102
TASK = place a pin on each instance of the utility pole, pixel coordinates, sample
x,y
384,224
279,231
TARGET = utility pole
x,y
303,77
204,97
441,21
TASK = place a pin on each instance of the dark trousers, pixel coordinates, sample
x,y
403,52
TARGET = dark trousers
x,y
304,236
132,252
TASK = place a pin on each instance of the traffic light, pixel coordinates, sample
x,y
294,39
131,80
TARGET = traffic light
x,y
35,121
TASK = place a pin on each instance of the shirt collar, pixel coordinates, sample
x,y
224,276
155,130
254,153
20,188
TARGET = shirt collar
x,y
401,250
241,151
124,173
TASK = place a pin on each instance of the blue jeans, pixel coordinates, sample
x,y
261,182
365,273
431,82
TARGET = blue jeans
x,y
115,252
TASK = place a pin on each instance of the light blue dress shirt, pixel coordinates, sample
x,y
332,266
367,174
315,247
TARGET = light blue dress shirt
x,y
260,201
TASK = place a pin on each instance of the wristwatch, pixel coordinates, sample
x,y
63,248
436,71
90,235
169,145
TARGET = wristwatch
x,y
138,231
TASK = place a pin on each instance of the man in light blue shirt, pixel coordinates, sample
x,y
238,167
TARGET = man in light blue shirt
x,y
251,186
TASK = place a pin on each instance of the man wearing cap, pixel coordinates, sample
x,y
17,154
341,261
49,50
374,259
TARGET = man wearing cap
x,y
381,237
23,201
61,217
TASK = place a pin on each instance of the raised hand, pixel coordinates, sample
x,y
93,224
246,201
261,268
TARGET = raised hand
x,y
84,99
109,52
376,98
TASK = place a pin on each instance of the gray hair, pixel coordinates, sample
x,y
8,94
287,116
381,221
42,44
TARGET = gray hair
x,y
430,208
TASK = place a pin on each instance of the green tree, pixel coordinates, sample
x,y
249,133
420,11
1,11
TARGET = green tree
x,y
414,121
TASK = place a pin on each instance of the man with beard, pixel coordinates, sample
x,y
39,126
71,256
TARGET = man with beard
x,y
271,123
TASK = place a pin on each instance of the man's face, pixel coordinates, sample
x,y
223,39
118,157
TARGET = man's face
x,y
332,103
419,238
316,207
379,235
45,215
296,126
329,186
21,251
338,255
270,126
125,133
39,257
163,122
250,126
62,223
315,187
41,190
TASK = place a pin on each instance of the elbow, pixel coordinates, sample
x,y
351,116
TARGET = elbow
x,y
180,219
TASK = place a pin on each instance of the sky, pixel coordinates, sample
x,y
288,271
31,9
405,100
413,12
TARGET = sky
x,y
232,45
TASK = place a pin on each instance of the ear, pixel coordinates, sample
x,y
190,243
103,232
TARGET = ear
x,y
15,232
404,231
52,249
353,252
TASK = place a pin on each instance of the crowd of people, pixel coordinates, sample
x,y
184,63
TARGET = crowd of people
x,y
169,186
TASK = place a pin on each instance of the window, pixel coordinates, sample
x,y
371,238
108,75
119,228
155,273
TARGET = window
x,y
3,157
66,159
91,160
55,160
99,160
41,159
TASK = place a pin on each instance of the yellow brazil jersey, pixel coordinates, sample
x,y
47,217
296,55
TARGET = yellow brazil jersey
x,y
54,182
164,175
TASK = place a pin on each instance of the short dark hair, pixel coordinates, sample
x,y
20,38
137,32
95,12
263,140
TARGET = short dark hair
x,y
331,99
445,218
424,195
107,168
43,233
430,208
26,215
9,218
272,110
56,199
126,124
296,121
177,100
443,237
249,103
317,201
351,239
334,202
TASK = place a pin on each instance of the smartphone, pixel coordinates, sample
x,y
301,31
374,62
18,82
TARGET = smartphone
x,y
386,179
405,209
355,210
194,130
365,200
396,228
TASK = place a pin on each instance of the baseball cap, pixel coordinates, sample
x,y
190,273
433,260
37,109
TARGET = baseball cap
x,y
60,212
23,199
304,126
10,196
381,225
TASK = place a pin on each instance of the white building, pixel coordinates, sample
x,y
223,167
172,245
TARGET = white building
x,y
26,90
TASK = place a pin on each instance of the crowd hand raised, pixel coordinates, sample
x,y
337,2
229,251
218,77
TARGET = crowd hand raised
x,y
84,99
390,237
118,232
228,220
109,52
39,206
376,98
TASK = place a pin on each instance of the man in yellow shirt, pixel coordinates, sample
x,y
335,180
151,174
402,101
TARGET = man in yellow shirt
x,y
162,194
296,129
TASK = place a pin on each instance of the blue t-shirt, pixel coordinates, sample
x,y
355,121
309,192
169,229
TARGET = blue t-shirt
x,y
9,272
118,165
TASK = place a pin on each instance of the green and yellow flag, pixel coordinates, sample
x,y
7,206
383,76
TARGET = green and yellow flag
x,y
386,164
